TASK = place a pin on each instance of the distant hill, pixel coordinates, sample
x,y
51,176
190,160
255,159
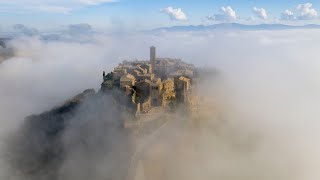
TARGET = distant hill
x,y
234,26
81,33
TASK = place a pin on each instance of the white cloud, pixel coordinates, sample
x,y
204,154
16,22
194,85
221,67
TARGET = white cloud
x,y
175,13
51,6
95,2
303,12
50,9
306,12
260,13
227,14
288,15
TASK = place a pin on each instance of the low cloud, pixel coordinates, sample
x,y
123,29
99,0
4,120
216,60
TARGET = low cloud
x,y
175,13
260,13
267,105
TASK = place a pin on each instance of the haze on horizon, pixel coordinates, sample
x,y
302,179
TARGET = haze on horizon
x,y
129,15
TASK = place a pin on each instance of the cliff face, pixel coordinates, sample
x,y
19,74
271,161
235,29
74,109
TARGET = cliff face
x,y
2,44
5,52
68,141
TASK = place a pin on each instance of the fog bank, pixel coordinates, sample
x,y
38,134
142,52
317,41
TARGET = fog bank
x,y
267,92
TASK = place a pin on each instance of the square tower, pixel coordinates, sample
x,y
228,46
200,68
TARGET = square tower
x,y
152,58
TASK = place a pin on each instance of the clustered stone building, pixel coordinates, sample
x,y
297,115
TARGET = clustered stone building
x,y
160,82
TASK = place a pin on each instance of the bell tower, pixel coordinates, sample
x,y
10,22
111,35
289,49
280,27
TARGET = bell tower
x,y
152,58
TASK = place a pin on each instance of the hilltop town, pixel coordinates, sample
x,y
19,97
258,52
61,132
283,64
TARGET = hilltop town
x,y
149,87
135,111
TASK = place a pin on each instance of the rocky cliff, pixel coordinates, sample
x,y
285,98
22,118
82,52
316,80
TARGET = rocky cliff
x,y
68,141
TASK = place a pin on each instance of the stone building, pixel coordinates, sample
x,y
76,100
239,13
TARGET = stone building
x,y
127,80
182,85
169,93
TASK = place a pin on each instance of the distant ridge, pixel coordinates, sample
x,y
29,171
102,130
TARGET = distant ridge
x,y
235,26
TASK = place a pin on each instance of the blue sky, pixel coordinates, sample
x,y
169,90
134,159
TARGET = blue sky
x,y
145,14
